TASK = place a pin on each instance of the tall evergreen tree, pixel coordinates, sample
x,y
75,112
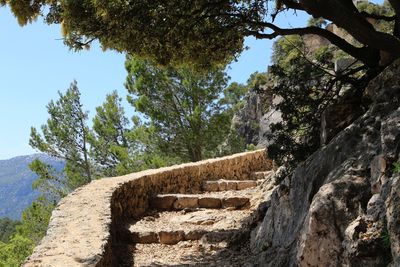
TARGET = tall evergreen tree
x,y
65,136
184,106
111,144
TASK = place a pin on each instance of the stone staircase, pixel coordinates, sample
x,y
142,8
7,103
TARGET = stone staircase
x,y
139,219
198,229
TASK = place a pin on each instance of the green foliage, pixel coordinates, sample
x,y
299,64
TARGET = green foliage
x,y
63,136
251,147
200,33
35,219
287,50
234,144
28,233
13,254
7,229
385,236
233,95
148,153
396,167
324,54
111,146
256,82
200,103
51,184
117,147
318,22
380,10
305,91
186,108
171,31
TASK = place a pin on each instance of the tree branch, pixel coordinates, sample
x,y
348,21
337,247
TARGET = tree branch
x,y
345,15
361,53
396,6
378,17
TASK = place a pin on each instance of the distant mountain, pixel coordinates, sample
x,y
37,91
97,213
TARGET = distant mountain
x,y
16,179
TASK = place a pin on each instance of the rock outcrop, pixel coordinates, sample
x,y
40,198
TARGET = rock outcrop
x,y
253,122
340,207
246,121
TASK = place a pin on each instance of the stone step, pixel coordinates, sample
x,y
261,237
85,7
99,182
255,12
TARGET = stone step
x,y
261,175
211,226
225,185
210,201
189,253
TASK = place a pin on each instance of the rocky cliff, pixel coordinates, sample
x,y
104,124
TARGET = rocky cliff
x,y
341,206
252,122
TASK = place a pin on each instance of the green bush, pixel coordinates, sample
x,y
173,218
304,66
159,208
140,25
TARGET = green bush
x,y
396,168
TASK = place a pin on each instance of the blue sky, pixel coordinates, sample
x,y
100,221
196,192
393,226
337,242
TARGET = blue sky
x,y
35,64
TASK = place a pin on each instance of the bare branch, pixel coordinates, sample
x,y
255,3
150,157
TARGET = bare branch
x,y
360,53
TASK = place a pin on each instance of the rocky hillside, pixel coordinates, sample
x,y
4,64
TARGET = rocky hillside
x,y
16,183
341,206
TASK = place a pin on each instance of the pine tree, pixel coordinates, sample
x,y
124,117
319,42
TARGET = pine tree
x,y
184,106
65,136
111,143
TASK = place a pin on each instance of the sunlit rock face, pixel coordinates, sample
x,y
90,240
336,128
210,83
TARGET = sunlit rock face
x,y
341,206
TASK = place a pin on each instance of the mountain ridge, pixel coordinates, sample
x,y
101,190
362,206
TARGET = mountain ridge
x,y
16,179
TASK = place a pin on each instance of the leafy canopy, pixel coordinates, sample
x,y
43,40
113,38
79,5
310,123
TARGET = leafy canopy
x,y
202,32
7,229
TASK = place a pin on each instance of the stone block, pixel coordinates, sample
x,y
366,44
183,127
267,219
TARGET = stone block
x,y
186,202
259,175
236,202
171,237
246,184
231,185
211,186
222,185
130,196
216,237
163,202
210,202
144,237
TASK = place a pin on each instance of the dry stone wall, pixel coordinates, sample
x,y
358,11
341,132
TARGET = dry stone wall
x,y
84,228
